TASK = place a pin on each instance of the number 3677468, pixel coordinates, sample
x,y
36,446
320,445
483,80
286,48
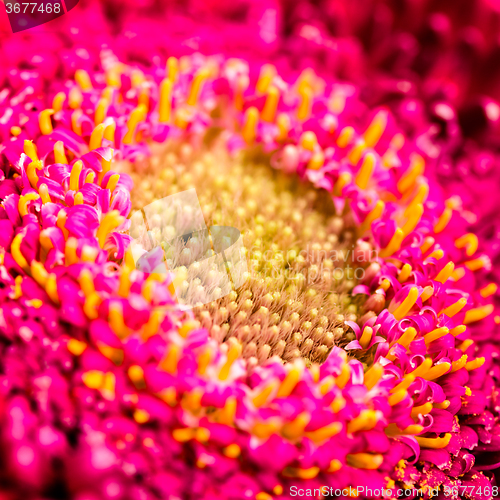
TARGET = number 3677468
x,y
32,8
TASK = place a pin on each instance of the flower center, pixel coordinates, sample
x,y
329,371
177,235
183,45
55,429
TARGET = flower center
x,y
300,253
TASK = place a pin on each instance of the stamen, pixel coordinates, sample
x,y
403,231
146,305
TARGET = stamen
x,y
267,73
365,460
15,130
445,273
165,100
437,254
295,429
374,215
404,384
474,364
416,168
263,394
357,151
464,346
317,161
86,282
74,179
407,304
436,334
44,193
195,90
250,124
434,443
112,182
172,68
62,216
427,293
366,337
397,397
343,180
153,324
70,251
75,121
437,371
488,290
101,111
324,433
413,219
420,197
308,140
376,129
394,245
423,368
83,79
31,172
289,382
78,200
271,105
455,308
143,97
58,101
345,137
404,273
242,83
45,122
116,320
338,404
262,495
373,375
30,150
232,355
459,364
424,409
232,451
283,123
365,171
141,416
169,364
458,330
428,242
204,361
304,110
75,98
443,220
59,155
227,414
365,421
23,202
39,273
96,137
310,473
108,224
109,132
477,264
124,288
392,430
90,177
76,347
344,376
478,313
443,405
91,304
137,116
51,288
468,241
